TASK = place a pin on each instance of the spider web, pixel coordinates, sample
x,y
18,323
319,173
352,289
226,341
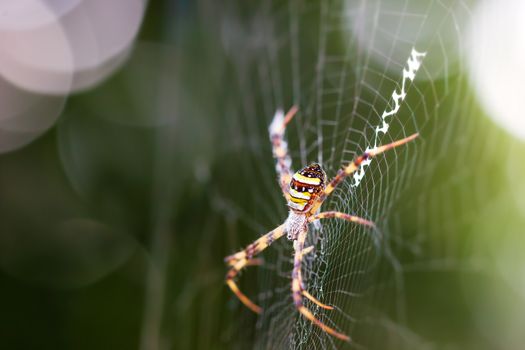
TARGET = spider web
x,y
348,65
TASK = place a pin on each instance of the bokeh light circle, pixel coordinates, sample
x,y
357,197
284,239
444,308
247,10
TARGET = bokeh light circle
x,y
495,55
49,49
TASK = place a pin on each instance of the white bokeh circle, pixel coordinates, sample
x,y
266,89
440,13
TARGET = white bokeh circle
x,y
495,55
65,47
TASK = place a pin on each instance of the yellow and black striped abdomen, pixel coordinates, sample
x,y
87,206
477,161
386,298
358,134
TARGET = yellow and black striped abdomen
x,y
305,186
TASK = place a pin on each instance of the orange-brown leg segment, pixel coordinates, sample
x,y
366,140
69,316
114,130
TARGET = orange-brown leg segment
x,y
235,289
315,301
256,247
244,258
298,290
353,166
305,292
280,148
339,215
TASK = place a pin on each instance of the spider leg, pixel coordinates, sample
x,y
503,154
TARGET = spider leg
x,y
339,215
235,289
280,147
244,258
353,166
298,290
305,292
256,247
316,301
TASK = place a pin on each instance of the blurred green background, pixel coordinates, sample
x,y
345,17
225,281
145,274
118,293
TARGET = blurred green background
x,y
115,221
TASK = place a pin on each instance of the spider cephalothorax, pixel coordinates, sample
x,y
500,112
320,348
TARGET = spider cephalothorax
x,y
305,192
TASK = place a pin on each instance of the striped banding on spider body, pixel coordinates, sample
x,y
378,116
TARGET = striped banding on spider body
x,y
305,187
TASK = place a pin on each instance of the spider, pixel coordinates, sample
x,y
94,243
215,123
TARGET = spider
x,y
305,191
